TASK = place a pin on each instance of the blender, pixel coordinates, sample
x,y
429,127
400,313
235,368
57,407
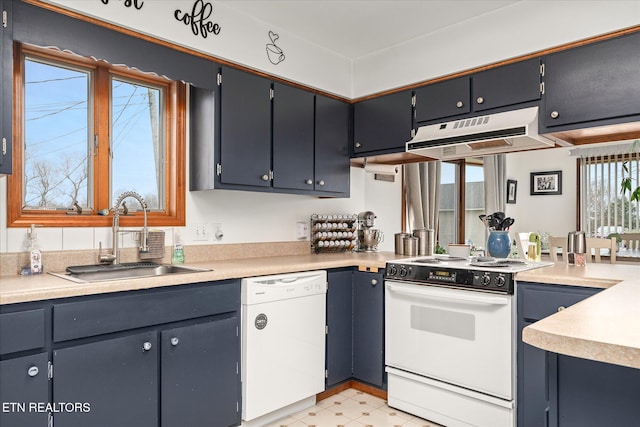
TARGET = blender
x,y
368,237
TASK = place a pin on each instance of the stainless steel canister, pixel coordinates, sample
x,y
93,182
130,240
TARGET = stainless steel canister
x,y
399,240
426,242
410,245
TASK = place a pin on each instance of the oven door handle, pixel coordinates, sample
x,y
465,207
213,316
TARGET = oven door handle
x,y
425,292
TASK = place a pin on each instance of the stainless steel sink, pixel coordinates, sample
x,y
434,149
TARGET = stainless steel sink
x,y
102,273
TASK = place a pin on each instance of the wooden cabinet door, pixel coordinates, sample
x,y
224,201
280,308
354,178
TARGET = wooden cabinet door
x,y
339,324
293,118
332,171
368,327
506,85
117,377
23,381
200,382
245,128
382,123
593,82
445,99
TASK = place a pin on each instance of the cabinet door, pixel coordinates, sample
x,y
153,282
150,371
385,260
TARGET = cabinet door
x,y
339,324
23,384
293,118
587,393
245,128
200,383
535,302
445,99
6,90
116,377
382,123
332,146
368,327
593,82
507,85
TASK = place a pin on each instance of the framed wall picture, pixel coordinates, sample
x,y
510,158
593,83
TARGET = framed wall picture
x,y
545,183
512,190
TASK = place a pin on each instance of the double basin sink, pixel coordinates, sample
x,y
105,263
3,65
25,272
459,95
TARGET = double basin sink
x,y
101,273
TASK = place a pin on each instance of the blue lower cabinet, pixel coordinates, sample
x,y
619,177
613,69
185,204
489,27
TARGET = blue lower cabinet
x,y
586,393
535,302
339,345
368,328
24,391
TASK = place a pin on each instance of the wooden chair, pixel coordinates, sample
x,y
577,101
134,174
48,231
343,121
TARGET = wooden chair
x,y
594,244
556,243
631,241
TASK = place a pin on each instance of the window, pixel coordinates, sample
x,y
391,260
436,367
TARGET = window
x,y
461,181
604,208
85,132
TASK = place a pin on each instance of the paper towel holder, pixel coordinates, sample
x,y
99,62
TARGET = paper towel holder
x,y
381,169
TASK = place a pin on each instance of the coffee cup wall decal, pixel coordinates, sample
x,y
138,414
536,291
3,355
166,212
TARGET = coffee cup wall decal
x,y
274,53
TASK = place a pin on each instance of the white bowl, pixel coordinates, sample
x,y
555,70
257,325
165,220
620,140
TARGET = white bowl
x,y
459,250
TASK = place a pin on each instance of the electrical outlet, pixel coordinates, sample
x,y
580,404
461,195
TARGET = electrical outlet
x,y
201,232
302,230
218,231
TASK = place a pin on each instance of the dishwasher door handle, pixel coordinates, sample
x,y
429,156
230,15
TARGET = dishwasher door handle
x,y
457,296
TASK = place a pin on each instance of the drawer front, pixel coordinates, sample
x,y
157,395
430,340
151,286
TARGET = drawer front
x,y
120,313
22,330
538,303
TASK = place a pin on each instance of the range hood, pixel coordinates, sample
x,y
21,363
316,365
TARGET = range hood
x,y
515,130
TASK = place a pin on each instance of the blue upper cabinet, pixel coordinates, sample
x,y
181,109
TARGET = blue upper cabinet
x,y
6,92
293,151
332,174
245,128
499,87
382,125
594,84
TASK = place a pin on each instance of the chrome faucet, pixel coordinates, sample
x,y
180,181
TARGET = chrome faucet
x,y
114,256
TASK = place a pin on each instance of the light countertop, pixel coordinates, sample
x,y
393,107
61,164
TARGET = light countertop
x,y
604,327
16,289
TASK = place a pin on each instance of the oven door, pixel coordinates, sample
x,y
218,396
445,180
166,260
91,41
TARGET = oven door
x,y
457,336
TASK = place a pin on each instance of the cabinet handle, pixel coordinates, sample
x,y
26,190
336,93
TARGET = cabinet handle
x,y
33,371
480,100
146,346
374,282
174,341
555,114
265,177
309,182
459,104
358,145
321,183
562,307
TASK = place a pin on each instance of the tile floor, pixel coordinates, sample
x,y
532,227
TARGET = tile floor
x,y
352,408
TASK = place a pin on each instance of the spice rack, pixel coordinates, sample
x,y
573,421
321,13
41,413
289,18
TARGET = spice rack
x,y
334,233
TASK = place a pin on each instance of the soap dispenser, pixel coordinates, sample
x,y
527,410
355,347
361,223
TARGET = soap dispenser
x,y
35,253
178,250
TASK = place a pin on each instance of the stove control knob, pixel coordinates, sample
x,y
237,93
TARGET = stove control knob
x,y
486,279
500,281
403,271
393,270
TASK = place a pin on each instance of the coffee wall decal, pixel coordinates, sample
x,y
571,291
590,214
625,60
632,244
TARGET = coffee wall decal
x,y
198,19
274,53
128,3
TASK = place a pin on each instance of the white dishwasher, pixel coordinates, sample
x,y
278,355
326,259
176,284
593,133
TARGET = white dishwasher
x,y
283,341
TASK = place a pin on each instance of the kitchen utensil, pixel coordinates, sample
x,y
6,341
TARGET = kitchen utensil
x,y
506,223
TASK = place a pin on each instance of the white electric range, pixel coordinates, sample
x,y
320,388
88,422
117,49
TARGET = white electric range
x,y
450,339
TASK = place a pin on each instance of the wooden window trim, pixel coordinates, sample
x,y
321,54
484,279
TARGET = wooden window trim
x,y
175,159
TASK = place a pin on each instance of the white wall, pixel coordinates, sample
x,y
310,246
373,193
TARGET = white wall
x,y
553,214
521,28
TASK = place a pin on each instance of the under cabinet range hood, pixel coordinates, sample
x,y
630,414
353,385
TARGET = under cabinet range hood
x,y
515,130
